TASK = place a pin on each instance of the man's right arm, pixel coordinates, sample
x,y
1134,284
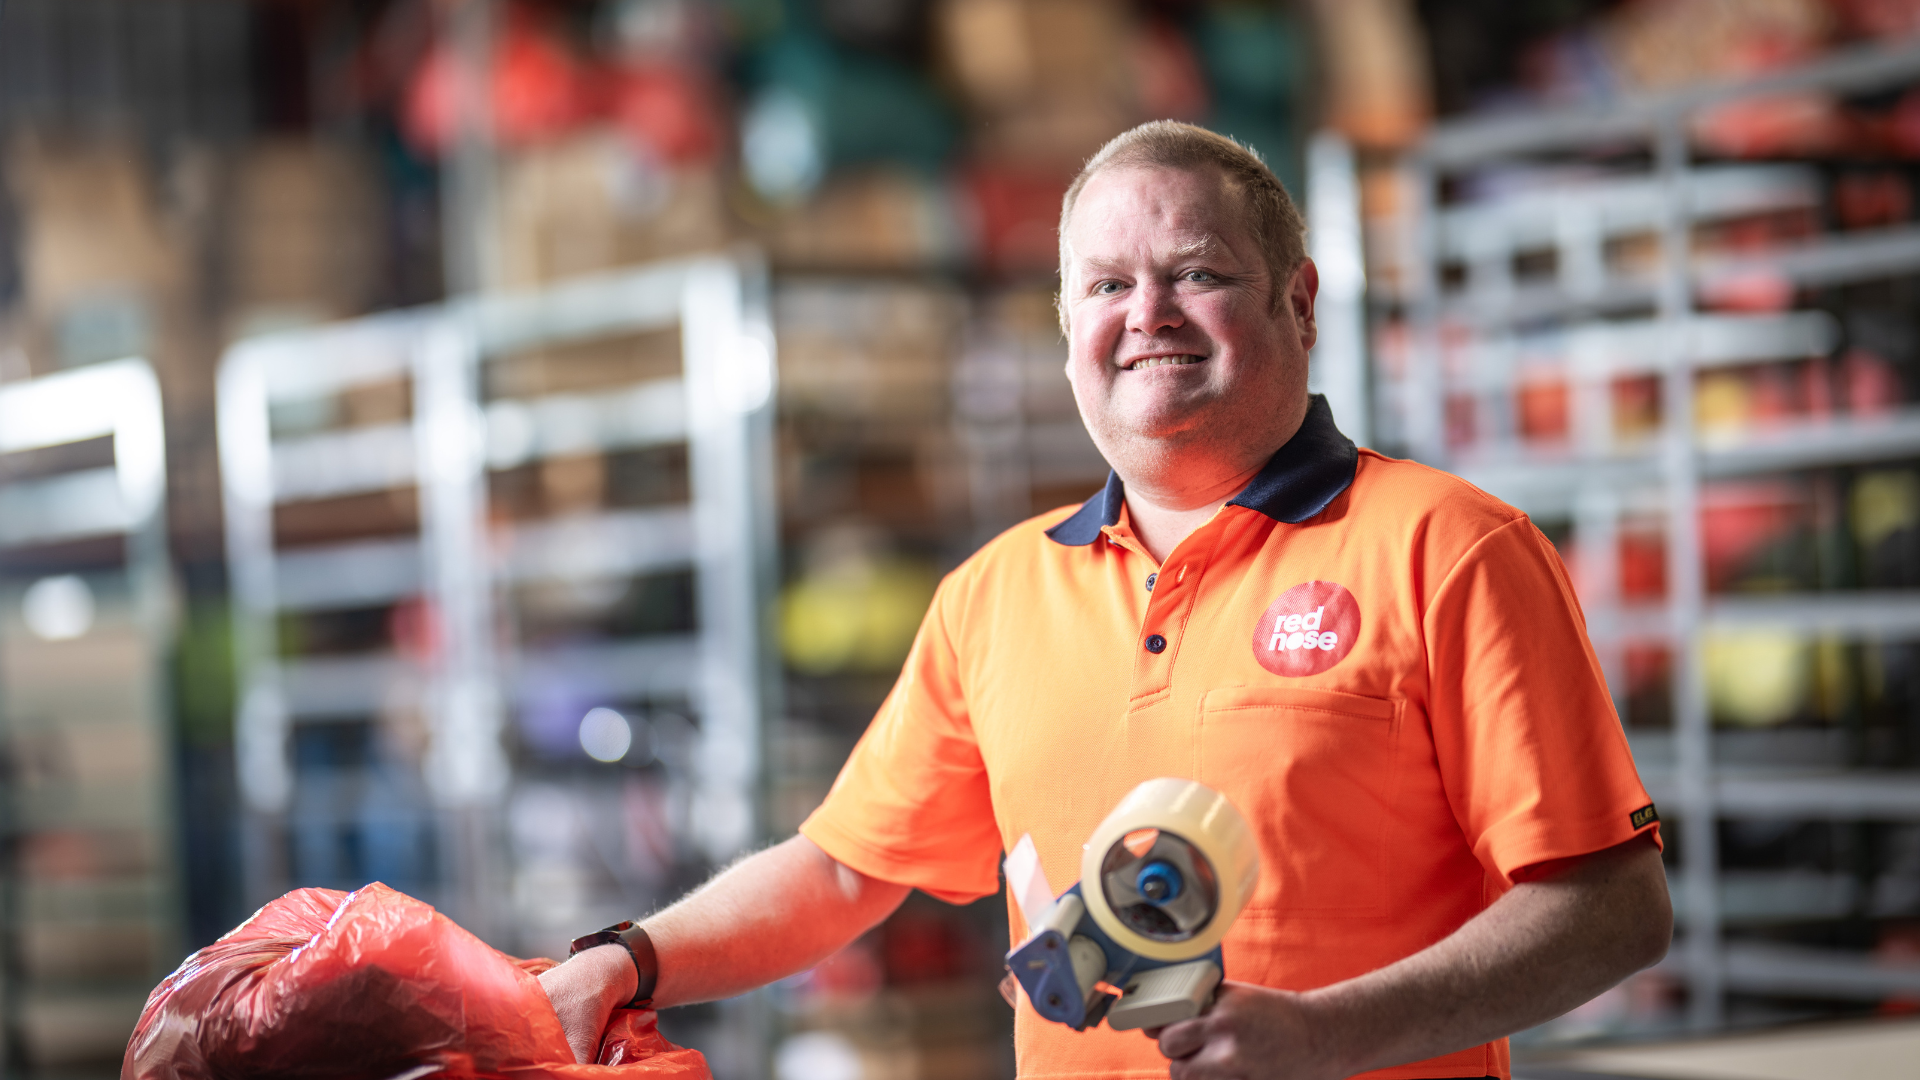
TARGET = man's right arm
x,y
772,914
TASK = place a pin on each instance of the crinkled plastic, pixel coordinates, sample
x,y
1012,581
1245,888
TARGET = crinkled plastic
x,y
373,985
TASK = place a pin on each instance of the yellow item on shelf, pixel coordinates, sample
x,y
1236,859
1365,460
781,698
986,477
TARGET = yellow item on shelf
x,y
1884,502
1758,678
855,616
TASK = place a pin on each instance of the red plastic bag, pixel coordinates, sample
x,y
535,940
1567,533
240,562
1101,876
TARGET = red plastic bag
x,y
373,984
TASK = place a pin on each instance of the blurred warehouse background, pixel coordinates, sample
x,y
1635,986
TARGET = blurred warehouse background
x,y
503,448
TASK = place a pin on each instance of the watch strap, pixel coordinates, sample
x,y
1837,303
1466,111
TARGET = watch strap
x,y
639,947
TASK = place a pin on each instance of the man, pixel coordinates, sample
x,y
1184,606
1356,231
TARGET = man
x,y
1382,667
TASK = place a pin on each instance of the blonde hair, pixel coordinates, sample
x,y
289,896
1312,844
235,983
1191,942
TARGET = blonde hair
x,y
1278,228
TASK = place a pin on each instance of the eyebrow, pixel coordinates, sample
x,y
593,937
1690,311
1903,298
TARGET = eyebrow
x,y
1205,246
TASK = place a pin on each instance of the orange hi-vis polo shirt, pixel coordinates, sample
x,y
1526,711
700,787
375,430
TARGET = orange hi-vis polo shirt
x,y
1383,667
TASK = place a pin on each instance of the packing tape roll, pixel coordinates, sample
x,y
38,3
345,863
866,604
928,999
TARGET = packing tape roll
x,y
1191,819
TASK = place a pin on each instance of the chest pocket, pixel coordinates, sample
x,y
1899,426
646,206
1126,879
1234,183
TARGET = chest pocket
x,y
1314,771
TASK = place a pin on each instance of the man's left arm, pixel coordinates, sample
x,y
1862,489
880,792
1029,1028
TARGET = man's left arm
x,y
1568,931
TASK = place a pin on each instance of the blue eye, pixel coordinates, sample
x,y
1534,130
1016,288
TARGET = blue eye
x,y
1199,275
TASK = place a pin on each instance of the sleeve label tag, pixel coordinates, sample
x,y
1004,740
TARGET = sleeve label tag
x,y
1644,816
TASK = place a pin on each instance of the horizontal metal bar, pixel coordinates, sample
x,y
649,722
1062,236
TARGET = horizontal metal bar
x,y
1751,748
1470,143
344,687
335,463
575,548
1547,488
592,546
1878,613
1545,484
1535,303
652,667
1618,206
1762,968
1761,896
619,302
347,686
381,457
652,413
1889,613
1815,443
70,406
1836,259
359,574
324,360
1645,346
1844,795
86,502
1830,795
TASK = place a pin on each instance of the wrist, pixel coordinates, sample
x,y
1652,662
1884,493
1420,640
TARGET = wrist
x,y
612,972
632,939
1331,1033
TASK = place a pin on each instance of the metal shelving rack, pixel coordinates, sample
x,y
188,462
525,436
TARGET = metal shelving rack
x,y
461,563
1469,335
90,892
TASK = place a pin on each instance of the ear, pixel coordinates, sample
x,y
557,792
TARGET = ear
x,y
1300,296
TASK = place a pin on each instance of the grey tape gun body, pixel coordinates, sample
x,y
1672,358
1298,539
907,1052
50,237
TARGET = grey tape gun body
x,y
1136,941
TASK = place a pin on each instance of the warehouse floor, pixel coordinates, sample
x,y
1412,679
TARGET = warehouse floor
x,y
1864,1050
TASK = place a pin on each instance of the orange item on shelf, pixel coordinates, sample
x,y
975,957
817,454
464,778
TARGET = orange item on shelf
x,y
1739,519
1643,566
373,984
1543,409
1017,216
536,88
1462,425
670,110
1636,407
1871,385
1816,387
1864,200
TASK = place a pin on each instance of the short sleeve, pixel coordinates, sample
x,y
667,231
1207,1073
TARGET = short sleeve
x,y
1531,753
912,804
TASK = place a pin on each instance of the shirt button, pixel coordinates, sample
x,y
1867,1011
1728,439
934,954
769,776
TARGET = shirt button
x,y
1156,643
1150,580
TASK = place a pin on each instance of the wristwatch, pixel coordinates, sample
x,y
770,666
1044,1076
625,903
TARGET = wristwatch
x,y
638,945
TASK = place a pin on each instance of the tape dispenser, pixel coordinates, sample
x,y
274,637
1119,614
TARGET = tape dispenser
x,y
1136,941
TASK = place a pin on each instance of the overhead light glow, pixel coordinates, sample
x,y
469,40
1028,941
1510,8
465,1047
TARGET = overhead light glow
x,y
605,735
58,608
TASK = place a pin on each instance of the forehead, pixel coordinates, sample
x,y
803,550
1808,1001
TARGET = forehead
x,y
1165,211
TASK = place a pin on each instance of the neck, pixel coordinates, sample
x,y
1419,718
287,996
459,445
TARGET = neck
x,y
1162,517
1174,484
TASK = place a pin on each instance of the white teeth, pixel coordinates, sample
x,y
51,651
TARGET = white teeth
x,y
1162,361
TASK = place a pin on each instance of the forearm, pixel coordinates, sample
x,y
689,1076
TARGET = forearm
x,y
1543,948
770,915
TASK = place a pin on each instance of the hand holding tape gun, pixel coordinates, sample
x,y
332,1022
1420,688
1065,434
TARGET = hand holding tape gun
x,y
1136,941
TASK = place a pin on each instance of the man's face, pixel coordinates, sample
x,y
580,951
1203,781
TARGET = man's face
x,y
1174,340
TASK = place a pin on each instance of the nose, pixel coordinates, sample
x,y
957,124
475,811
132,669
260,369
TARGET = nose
x,y
1155,308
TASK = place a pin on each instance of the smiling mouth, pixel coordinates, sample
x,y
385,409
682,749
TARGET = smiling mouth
x,y
1163,361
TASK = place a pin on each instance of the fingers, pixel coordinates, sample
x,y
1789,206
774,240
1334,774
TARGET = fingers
x,y
584,1050
1183,1039
580,1009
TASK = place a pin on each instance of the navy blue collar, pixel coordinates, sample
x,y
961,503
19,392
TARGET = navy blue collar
x,y
1299,481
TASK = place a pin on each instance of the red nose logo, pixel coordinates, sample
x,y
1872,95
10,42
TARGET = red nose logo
x,y
1308,630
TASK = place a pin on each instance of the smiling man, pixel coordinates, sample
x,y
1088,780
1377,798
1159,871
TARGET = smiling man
x,y
1381,666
